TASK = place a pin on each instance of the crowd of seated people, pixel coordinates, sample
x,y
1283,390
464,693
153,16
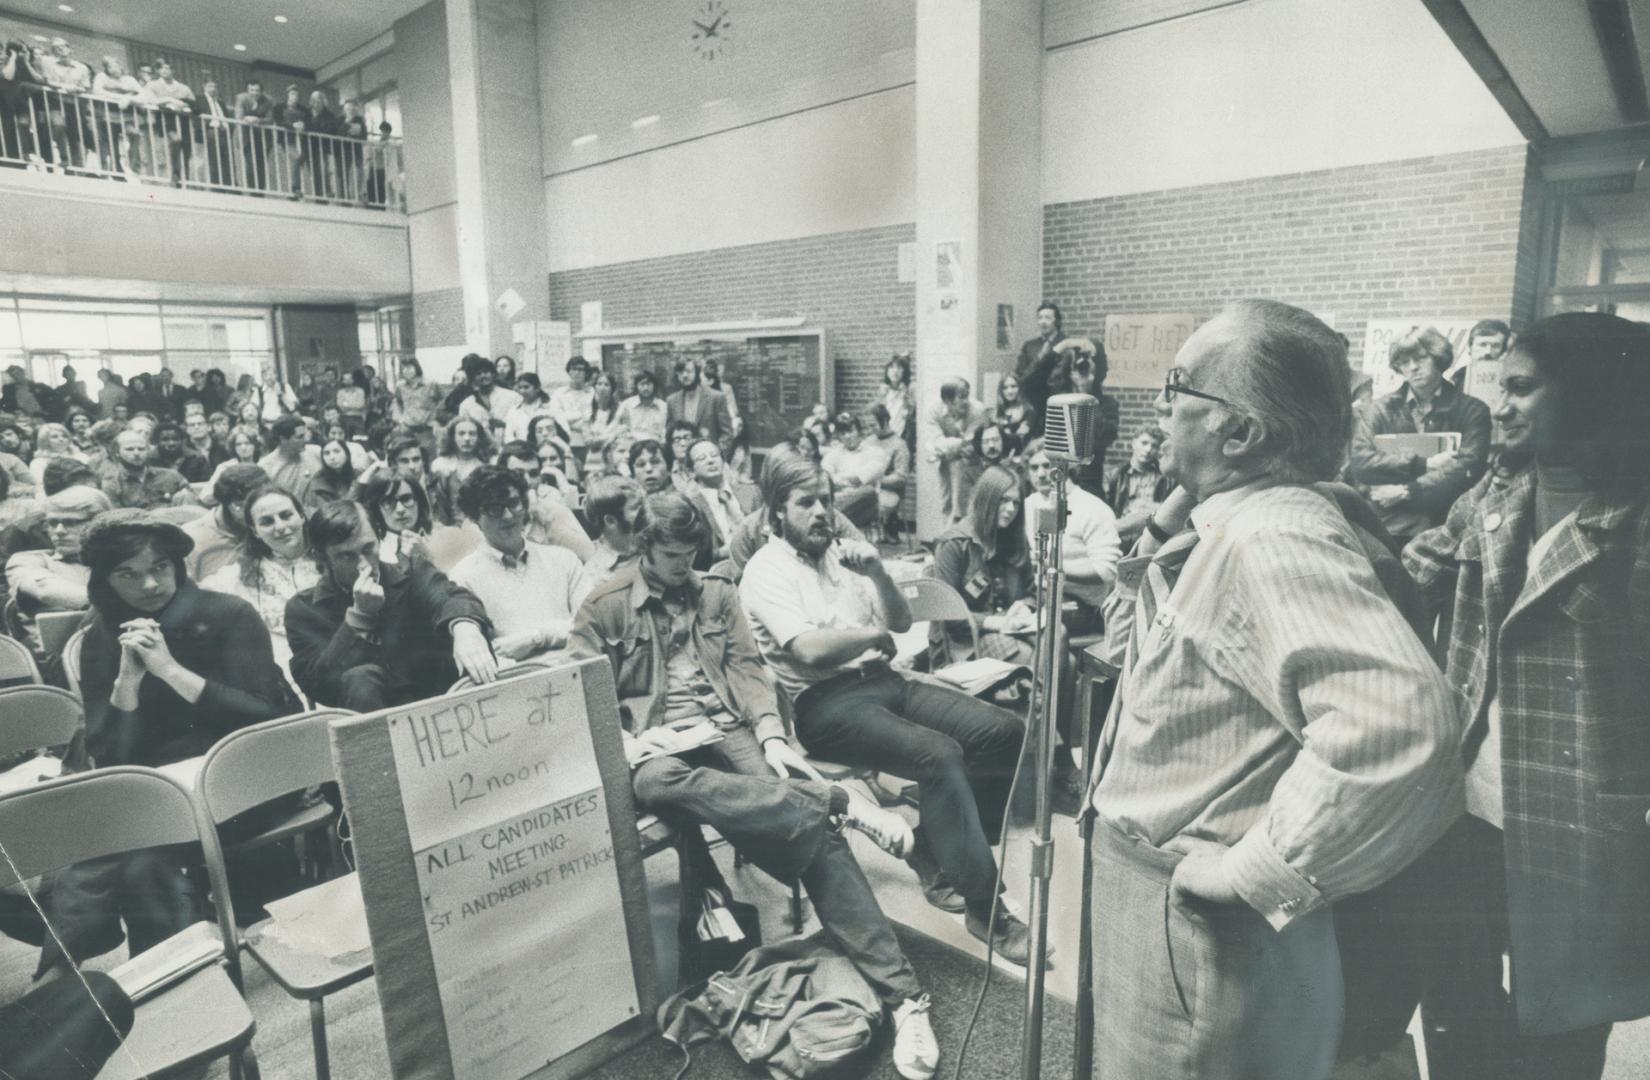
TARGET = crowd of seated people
x,y
363,547
57,114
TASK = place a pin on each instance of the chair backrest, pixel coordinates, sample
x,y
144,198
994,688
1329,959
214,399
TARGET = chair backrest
x,y
256,764
932,600
35,717
515,671
17,662
71,659
13,618
106,812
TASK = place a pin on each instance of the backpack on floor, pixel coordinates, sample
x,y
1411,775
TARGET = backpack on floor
x,y
797,1008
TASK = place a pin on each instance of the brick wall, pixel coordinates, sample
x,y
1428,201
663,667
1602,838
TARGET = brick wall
x,y
845,283
438,318
1436,236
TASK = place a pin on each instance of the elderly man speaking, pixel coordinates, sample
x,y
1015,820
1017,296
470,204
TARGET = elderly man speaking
x,y
1280,738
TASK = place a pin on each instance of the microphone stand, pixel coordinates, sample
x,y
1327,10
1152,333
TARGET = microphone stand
x,y
1045,706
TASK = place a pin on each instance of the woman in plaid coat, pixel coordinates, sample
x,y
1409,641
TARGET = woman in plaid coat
x,y
1541,575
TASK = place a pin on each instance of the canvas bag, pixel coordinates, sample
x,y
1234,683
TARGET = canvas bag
x,y
796,1008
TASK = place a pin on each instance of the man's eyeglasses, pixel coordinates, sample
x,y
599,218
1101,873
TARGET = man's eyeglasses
x,y
1176,384
509,506
406,498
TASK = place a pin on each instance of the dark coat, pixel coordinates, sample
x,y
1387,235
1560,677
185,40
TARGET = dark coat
x,y
1565,648
414,643
219,637
1431,491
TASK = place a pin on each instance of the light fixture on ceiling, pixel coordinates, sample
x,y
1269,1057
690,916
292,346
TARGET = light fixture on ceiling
x,y
240,48
280,19
645,121
65,8
713,103
585,140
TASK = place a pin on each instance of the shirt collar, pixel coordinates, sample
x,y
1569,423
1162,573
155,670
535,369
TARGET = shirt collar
x,y
1211,515
509,562
642,590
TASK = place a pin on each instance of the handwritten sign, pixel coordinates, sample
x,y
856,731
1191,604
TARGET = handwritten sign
x,y
502,816
1140,349
1379,334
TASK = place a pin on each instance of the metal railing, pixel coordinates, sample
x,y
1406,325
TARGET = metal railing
x,y
121,138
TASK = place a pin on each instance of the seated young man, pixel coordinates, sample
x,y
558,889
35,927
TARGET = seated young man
x,y
681,655
824,612
370,634
527,588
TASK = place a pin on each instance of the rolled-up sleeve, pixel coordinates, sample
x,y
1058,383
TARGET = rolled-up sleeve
x,y
1378,776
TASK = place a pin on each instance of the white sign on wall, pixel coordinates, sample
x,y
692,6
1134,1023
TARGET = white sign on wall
x,y
1140,349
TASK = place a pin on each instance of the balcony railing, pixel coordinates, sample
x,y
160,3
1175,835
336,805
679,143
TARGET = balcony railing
x,y
141,142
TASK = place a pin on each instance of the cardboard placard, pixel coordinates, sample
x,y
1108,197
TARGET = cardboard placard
x,y
496,843
1140,349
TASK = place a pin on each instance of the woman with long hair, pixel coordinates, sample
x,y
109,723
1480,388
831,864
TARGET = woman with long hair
x,y
1014,414
604,416
79,422
465,446
51,441
898,398
336,477
987,559
245,446
272,564
1541,577
399,509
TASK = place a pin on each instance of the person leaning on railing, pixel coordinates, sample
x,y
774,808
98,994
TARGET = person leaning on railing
x,y
176,101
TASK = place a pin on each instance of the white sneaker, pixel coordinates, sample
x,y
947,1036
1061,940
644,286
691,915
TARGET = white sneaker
x,y
886,828
916,1053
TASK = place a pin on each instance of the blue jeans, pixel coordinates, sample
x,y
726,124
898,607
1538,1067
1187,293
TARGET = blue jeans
x,y
960,751
784,827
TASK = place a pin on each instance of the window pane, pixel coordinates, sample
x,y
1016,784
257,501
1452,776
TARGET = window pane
x,y
11,337
135,332
63,330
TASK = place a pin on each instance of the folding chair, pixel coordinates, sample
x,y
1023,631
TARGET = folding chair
x,y
122,809
248,768
12,616
71,659
17,662
37,717
933,601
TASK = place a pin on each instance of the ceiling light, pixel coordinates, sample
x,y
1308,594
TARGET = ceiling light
x,y
713,103
585,140
646,121
65,7
280,18
240,48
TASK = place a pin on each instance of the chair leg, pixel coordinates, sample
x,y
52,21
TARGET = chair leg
x,y
796,907
244,1064
318,1033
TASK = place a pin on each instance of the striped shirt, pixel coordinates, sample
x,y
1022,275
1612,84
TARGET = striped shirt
x,y
1277,703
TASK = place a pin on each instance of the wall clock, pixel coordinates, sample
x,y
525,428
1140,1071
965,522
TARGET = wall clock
x,y
710,30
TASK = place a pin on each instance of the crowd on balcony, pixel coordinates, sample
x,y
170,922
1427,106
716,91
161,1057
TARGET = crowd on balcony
x,y
58,115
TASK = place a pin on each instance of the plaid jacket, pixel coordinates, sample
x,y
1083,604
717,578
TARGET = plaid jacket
x,y
1565,646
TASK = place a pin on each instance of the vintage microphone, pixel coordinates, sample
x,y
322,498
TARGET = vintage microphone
x,y
1069,429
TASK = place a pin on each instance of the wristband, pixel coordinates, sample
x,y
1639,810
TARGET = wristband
x,y
1157,531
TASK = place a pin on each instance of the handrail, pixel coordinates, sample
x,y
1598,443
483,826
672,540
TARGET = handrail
x,y
186,145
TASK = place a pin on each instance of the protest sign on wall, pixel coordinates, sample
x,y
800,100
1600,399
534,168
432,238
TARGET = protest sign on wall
x,y
1140,349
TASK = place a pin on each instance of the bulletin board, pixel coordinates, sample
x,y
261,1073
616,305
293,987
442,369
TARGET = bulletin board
x,y
495,837
776,377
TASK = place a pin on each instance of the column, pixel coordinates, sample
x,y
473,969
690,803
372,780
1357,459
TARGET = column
x,y
979,202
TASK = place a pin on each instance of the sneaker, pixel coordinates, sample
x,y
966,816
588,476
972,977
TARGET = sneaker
x,y
916,1052
1009,937
887,829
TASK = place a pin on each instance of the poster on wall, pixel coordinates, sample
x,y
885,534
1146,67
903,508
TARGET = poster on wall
x,y
496,845
1379,334
1140,349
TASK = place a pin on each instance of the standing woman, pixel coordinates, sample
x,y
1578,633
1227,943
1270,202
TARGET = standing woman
x,y
1542,577
604,417
506,372
273,563
898,400
1015,415
464,447
986,558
